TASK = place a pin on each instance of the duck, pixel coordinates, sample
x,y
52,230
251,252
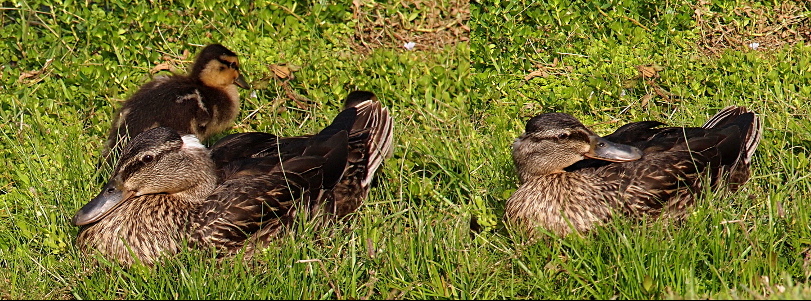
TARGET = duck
x,y
166,193
203,102
572,180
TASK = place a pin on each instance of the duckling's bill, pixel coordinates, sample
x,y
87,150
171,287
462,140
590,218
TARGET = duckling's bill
x,y
110,197
603,149
240,82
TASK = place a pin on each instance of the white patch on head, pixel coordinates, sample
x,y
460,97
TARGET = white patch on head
x,y
190,142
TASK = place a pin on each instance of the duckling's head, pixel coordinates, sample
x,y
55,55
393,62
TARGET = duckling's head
x,y
554,141
218,67
157,161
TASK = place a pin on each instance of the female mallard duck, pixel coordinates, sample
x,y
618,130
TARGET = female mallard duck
x,y
562,194
204,102
165,190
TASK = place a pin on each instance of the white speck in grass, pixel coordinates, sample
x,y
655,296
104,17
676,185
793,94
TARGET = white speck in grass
x,y
253,94
754,45
409,45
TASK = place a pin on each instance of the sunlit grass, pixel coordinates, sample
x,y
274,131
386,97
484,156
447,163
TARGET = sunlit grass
x,y
457,109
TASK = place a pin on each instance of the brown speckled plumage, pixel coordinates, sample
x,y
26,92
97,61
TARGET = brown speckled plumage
x,y
167,191
561,192
204,102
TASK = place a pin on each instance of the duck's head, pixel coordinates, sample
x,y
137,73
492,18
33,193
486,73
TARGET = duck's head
x,y
554,141
157,161
218,67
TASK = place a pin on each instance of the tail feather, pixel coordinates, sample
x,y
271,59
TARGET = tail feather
x,y
747,121
372,116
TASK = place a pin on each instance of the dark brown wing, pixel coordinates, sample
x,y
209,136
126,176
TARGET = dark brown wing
x,y
229,152
671,179
735,130
635,132
647,186
258,205
370,145
236,152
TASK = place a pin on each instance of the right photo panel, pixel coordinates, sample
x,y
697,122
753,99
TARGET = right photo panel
x,y
644,149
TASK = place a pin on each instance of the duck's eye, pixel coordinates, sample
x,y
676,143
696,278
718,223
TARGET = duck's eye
x,y
601,144
563,136
147,158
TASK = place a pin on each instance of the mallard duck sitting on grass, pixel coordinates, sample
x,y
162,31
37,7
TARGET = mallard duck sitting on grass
x,y
204,103
562,194
165,191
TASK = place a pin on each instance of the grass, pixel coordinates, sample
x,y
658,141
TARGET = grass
x,y
458,101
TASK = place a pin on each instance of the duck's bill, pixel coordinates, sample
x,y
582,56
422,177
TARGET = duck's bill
x,y
240,82
110,197
603,149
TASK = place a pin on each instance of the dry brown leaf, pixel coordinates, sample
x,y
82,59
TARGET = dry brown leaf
x,y
160,67
25,76
649,70
28,74
536,73
283,70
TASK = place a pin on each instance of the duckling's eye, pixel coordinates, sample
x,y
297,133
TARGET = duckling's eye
x,y
563,136
222,68
147,158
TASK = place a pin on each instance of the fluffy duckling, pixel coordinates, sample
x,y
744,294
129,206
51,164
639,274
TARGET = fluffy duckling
x,y
640,170
165,190
204,103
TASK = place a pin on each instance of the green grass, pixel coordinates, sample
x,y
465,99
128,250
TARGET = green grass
x,y
457,105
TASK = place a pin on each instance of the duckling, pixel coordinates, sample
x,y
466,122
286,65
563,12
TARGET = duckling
x,y
204,103
639,170
165,192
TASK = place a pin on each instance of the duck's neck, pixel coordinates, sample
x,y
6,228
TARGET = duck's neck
x,y
205,183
